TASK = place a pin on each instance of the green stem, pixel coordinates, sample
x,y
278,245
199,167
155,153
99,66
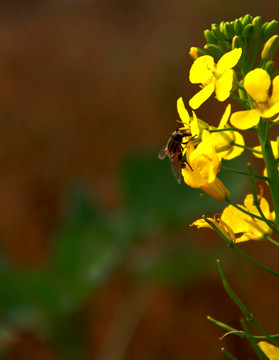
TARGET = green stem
x,y
271,166
257,201
224,129
247,148
241,306
232,331
252,341
230,356
232,245
268,238
247,212
262,177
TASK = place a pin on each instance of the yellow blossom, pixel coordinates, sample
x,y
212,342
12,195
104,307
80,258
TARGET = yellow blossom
x,y
246,226
205,164
190,123
257,84
271,351
213,77
238,226
224,140
219,223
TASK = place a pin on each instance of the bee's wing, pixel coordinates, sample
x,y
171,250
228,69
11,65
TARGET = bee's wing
x,y
176,172
162,154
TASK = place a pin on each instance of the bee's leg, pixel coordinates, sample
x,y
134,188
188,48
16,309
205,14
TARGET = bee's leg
x,y
185,143
186,162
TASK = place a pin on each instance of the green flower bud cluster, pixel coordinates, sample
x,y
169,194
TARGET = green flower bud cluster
x,y
241,32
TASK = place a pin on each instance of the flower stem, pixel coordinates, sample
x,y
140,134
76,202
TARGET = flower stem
x,y
242,172
247,212
241,306
234,247
230,356
271,166
247,148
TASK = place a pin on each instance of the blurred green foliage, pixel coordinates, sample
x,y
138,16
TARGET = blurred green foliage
x,y
90,243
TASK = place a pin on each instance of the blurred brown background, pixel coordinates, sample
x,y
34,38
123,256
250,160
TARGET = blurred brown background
x,y
83,85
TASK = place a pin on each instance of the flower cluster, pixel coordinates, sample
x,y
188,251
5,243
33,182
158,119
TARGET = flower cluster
x,y
235,65
224,68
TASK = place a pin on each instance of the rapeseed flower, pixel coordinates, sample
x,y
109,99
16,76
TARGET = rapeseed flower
x,y
257,84
205,164
224,140
213,77
239,226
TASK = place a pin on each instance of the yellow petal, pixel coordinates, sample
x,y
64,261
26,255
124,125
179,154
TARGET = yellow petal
x,y
236,219
271,111
216,190
201,70
245,119
275,91
235,150
223,85
257,83
183,113
228,60
225,117
198,99
264,205
201,223
271,351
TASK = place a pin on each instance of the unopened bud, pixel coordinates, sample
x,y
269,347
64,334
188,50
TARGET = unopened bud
x,y
196,52
257,27
270,48
269,66
247,31
247,19
238,43
228,31
270,28
235,82
238,27
209,37
214,50
217,32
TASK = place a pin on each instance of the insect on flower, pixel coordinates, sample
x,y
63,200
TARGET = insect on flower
x,y
174,150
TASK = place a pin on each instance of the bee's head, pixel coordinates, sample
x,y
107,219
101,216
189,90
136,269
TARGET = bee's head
x,y
178,135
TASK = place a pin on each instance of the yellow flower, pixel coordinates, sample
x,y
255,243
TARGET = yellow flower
x,y
224,140
219,223
271,351
192,124
234,222
248,228
213,77
257,83
205,164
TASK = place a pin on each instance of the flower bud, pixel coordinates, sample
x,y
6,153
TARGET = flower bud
x,y
196,52
209,37
270,48
238,27
235,82
216,32
257,26
247,19
217,190
214,50
269,66
270,28
238,43
228,31
247,31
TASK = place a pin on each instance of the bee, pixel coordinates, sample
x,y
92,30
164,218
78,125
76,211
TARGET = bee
x,y
173,149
